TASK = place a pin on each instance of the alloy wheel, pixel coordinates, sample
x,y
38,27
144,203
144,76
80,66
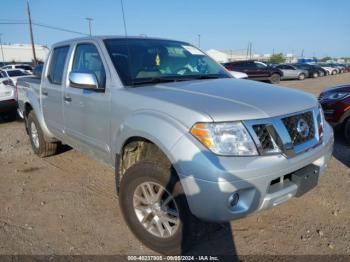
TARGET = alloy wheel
x,y
156,209
34,135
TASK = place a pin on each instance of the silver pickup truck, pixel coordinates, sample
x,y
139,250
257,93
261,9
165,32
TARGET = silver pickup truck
x,y
186,140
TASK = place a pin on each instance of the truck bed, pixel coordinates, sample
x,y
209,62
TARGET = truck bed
x,y
24,86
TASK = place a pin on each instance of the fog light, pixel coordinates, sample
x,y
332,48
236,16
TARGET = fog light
x,y
233,200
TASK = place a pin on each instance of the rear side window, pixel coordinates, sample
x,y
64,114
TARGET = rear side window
x,y
57,64
237,65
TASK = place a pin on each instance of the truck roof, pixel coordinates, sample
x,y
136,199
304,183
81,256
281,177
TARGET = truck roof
x,y
103,37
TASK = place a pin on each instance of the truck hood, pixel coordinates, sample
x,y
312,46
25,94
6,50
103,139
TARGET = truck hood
x,y
233,99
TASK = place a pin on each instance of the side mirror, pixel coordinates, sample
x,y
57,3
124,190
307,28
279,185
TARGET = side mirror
x,y
83,80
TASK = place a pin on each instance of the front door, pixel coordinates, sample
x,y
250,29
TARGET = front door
x,y
86,111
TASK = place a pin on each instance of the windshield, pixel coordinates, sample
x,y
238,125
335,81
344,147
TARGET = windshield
x,y
142,61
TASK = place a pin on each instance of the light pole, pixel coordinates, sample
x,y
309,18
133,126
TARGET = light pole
x,y
89,19
2,51
31,33
199,40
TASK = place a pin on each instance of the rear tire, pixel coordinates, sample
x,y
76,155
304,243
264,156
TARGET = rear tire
x,y
275,79
301,76
321,73
40,146
135,209
347,131
334,72
314,75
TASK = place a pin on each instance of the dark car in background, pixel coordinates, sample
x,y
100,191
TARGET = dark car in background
x,y
313,70
256,70
335,102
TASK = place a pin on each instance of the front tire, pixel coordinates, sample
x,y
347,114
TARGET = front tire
x,y
40,146
275,79
301,76
155,208
314,75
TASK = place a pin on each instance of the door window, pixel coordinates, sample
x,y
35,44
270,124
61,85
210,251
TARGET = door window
x,y
57,64
88,60
260,65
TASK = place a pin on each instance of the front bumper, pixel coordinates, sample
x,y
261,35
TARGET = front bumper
x,y
210,181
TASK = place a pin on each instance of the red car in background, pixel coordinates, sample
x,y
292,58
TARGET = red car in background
x,y
335,102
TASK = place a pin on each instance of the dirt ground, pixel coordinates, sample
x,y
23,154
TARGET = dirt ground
x,y
67,205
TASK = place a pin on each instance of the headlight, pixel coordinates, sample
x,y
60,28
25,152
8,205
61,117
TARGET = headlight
x,y
225,138
337,95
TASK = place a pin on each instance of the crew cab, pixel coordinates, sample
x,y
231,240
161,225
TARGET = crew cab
x,y
187,141
256,70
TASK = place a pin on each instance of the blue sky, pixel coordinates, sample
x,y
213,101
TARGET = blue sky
x,y
320,27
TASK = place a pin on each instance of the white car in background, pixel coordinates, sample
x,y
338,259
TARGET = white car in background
x,y
8,101
13,74
238,75
26,68
330,70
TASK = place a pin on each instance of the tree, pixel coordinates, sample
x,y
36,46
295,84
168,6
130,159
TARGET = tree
x,y
277,59
325,59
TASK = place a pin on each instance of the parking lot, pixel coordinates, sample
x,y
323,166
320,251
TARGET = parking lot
x,y
67,204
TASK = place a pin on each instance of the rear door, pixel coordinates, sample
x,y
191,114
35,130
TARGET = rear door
x,y
245,67
292,71
52,88
87,112
261,70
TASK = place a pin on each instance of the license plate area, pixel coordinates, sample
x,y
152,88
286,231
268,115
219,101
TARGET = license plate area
x,y
306,179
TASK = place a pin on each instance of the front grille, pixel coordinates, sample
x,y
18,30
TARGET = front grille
x,y
291,123
264,137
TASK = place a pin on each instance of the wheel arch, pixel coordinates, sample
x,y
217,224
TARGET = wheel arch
x,y
136,149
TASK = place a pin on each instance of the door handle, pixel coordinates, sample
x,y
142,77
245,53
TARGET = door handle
x,y
67,99
44,93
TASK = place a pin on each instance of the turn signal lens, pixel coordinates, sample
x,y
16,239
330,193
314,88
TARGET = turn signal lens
x,y
202,134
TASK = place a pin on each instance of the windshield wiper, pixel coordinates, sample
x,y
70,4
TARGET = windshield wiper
x,y
156,80
203,76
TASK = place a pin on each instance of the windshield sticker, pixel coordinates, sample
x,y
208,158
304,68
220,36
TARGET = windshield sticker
x,y
193,50
157,60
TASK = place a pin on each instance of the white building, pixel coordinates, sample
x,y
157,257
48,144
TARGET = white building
x,y
218,56
228,56
22,53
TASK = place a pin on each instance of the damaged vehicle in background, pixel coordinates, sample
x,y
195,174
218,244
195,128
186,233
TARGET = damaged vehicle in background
x,y
335,102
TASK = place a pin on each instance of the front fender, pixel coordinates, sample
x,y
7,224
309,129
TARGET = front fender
x,y
160,128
